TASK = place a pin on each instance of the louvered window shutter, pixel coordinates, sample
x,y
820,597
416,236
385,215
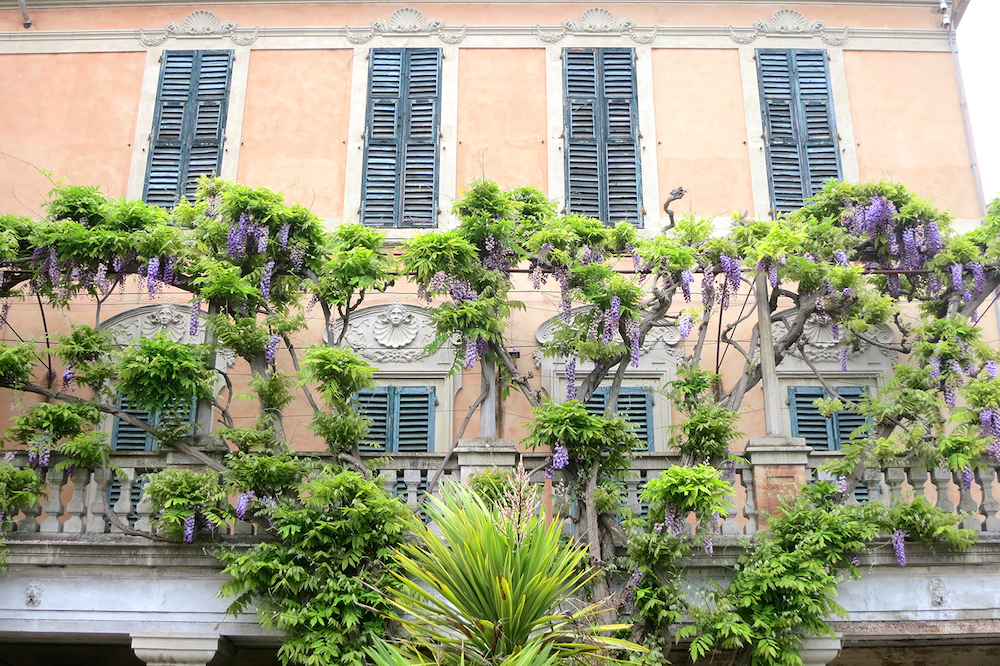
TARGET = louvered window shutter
x,y
602,135
635,404
820,432
127,437
400,173
402,418
797,107
374,404
189,123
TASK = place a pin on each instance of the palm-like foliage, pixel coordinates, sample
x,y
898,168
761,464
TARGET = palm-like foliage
x,y
490,591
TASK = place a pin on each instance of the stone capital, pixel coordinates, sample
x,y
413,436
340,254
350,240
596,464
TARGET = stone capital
x,y
163,649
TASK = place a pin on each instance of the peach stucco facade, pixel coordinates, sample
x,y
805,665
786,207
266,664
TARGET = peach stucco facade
x,y
77,92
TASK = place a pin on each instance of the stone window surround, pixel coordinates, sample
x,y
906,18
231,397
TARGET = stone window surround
x,y
431,32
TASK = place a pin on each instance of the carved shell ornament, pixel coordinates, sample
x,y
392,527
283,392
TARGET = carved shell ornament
x,y
788,22
204,22
395,328
200,23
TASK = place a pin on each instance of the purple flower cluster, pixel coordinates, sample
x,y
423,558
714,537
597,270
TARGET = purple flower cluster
x,y
152,276
67,378
899,547
892,282
168,270
935,363
632,333
731,267
991,369
560,457
297,255
978,277
841,257
243,504
636,577
673,520
474,348
843,359
189,524
687,277
872,219
967,477
496,257
195,312
835,330
950,396
842,485
854,559
4,311
537,276
271,349
265,280
912,256
570,374
956,276
684,324
283,235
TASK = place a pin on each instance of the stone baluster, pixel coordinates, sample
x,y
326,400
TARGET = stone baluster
x,y
76,508
917,477
942,479
30,521
411,478
730,526
632,496
123,507
53,502
968,505
894,478
990,505
146,512
388,477
749,508
97,490
872,481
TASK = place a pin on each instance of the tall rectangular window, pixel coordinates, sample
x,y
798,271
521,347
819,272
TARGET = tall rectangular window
x,y
602,135
823,433
799,125
402,136
635,405
402,418
189,123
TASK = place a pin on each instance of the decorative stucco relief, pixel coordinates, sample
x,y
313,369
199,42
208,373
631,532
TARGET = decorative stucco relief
x,y
668,335
407,21
168,318
395,333
822,346
200,23
789,23
598,21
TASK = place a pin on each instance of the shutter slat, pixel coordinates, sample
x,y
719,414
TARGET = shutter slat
x,y
415,420
374,404
623,184
381,175
419,186
127,437
807,421
636,406
584,195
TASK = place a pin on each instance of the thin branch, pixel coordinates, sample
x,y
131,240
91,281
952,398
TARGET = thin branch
x,y
298,369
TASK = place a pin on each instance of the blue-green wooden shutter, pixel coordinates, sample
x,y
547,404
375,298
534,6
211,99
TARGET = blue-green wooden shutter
x,y
602,135
400,173
127,437
375,404
635,404
820,432
799,124
188,124
402,418
807,421
414,424
135,496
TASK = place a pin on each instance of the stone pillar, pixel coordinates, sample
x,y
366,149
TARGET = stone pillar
x,y
163,649
481,453
820,651
779,469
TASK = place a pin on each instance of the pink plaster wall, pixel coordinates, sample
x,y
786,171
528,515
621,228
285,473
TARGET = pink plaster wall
x,y
71,115
295,126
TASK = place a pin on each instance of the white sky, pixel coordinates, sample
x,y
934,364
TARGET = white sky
x,y
979,55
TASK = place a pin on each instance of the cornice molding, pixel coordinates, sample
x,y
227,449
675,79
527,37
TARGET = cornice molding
x,y
410,24
65,4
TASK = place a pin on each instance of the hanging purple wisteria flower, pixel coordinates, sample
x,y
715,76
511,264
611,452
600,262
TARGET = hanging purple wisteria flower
x,y
950,396
843,359
687,277
189,524
967,477
67,378
910,245
854,559
978,277
835,330
684,324
570,375
297,255
271,349
841,257
731,267
560,457
632,333
243,504
168,270
956,276
842,485
195,312
265,280
899,547
935,363
892,282
991,369
470,353
283,235
934,244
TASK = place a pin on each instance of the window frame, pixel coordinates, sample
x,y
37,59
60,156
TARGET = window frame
x,y
393,418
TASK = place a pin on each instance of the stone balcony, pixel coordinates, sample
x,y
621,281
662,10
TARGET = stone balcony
x,y
74,578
